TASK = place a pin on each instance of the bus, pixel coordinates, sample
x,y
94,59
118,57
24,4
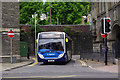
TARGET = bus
x,y
54,47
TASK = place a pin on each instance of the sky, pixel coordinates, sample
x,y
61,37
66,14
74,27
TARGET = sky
x,y
43,1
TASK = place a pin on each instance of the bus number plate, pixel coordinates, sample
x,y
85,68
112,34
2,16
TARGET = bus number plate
x,y
51,60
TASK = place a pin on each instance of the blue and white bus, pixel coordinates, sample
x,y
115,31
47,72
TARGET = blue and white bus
x,y
54,47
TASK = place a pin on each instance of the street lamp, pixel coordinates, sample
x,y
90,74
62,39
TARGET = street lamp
x,y
35,33
35,30
50,13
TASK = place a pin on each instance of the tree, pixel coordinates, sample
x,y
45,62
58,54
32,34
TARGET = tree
x,y
68,12
62,12
27,9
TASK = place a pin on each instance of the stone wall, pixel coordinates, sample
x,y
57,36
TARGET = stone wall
x,y
0,14
10,15
0,33
10,20
119,13
109,9
101,10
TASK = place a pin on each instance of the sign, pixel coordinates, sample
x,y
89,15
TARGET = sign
x,y
11,33
50,35
103,35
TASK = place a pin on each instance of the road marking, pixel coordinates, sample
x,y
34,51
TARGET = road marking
x,y
36,62
65,76
82,62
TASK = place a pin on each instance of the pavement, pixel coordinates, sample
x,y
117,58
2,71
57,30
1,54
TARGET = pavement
x,y
113,68
100,66
9,66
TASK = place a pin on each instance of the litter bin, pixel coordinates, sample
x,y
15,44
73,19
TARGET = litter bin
x,y
23,49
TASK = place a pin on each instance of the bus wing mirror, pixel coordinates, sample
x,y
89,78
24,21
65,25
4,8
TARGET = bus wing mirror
x,y
66,39
36,40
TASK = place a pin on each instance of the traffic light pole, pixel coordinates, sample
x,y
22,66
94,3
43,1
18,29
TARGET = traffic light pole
x,y
105,48
105,25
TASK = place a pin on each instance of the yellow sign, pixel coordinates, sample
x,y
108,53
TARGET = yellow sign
x,y
66,39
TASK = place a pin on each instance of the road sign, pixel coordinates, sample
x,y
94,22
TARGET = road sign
x,y
103,35
11,33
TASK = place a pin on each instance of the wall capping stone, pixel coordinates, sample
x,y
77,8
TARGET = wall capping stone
x,y
8,29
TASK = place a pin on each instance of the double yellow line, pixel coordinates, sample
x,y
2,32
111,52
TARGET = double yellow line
x,y
64,76
36,62
82,62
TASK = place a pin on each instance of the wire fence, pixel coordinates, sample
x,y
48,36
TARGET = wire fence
x,y
99,55
83,45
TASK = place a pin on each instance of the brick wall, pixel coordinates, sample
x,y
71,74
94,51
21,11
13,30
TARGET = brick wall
x,y
76,28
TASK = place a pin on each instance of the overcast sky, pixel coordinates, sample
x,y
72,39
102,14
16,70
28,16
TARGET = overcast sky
x,y
44,0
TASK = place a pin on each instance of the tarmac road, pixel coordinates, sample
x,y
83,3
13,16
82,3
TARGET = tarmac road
x,y
73,70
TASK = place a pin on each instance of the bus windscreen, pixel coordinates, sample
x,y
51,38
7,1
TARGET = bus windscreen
x,y
53,44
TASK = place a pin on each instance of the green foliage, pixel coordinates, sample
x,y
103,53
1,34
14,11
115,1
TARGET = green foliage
x,y
27,9
68,12
86,23
61,12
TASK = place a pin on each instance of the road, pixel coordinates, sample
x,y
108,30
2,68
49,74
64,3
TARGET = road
x,y
73,69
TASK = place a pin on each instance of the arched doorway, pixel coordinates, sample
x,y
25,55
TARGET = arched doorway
x,y
116,37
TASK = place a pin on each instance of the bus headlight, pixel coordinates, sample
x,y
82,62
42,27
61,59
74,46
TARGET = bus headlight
x,y
61,55
41,56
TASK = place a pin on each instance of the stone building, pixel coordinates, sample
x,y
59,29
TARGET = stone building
x,y
106,9
9,19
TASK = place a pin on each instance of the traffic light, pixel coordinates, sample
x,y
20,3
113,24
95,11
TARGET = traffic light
x,y
107,23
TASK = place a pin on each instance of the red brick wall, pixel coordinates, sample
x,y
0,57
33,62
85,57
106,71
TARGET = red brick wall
x,y
26,28
76,28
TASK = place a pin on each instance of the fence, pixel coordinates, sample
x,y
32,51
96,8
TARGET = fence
x,y
98,53
83,45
